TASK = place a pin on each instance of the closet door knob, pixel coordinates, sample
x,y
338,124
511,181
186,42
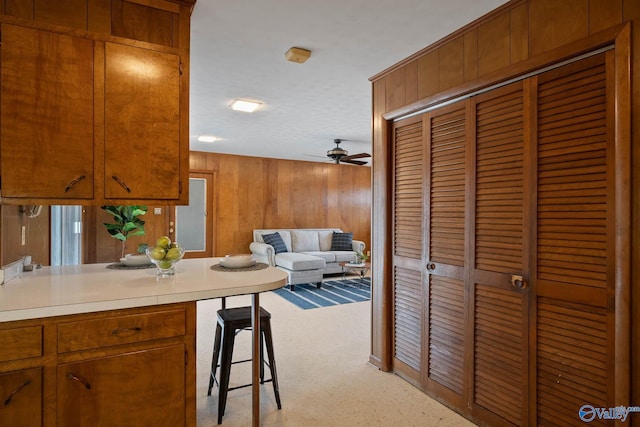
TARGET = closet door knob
x,y
431,266
518,282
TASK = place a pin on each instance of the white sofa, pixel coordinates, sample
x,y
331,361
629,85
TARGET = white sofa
x,y
308,256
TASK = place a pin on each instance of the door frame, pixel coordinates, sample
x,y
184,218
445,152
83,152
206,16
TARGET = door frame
x,y
209,177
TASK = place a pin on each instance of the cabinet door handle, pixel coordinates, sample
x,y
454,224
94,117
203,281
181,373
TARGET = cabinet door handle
x,y
119,331
73,182
80,380
121,182
20,387
431,266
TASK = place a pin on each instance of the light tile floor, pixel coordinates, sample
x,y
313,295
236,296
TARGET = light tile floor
x,y
323,371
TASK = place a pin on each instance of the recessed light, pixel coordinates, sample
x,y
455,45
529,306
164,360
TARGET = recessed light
x,y
246,106
207,138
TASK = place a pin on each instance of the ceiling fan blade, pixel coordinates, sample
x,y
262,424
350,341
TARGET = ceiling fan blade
x,y
353,162
355,156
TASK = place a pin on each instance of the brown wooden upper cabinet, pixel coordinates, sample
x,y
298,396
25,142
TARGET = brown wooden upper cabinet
x,y
99,114
46,130
142,129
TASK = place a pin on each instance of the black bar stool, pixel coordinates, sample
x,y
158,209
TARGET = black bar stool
x,y
230,322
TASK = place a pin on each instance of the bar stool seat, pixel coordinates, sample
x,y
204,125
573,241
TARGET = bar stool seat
x,y
230,321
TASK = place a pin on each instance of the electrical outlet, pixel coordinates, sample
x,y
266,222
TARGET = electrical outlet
x,y
24,235
157,211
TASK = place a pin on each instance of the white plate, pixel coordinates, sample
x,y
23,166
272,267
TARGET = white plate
x,y
237,261
132,259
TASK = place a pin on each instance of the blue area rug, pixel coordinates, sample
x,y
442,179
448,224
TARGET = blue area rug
x,y
332,292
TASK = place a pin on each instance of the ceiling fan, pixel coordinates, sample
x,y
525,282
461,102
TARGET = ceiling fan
x,y
340,155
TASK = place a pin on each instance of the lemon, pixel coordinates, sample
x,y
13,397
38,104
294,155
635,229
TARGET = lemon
x,y
173,254
164,242
157,253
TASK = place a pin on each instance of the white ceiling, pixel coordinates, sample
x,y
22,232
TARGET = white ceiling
x,y
237,51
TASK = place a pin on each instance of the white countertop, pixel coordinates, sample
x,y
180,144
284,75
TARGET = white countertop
x,y
55,291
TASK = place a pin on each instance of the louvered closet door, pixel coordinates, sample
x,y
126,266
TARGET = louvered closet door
x,y
575,240
408,262
445,230
499,312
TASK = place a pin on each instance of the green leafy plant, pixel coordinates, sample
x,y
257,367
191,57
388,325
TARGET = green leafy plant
x,y
126,222
361,257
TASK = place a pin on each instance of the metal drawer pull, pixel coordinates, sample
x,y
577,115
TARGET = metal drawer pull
x,y
119,331
518,282
80,380
8,399
121,182
73,182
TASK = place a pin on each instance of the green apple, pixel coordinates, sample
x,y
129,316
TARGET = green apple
x,y
164,242
165,263
157,253
173,254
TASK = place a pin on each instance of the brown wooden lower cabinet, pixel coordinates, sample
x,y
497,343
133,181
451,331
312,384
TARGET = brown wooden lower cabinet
x,y
21,398
140,388
128,367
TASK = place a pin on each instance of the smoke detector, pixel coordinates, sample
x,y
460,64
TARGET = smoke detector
x,y
297,54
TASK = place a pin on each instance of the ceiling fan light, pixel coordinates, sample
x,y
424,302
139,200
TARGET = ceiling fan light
x,y
245,106
336,152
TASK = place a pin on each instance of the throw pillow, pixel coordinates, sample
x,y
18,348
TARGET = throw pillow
x,y
342,242
276,241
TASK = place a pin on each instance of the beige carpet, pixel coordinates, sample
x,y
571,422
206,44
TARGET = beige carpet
x,y
323,371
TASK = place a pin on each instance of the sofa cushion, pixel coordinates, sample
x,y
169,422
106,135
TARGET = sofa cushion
x,y
325,237
327,256
304,241
342,242
276,241
297,261
344,256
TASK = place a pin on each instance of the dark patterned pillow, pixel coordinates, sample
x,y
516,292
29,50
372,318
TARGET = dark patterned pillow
x,y
276,241
342,242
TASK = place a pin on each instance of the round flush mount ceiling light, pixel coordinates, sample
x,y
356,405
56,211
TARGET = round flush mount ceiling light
x,y
207,138
244,105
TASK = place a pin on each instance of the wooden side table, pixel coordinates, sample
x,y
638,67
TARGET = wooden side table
x,y
359,269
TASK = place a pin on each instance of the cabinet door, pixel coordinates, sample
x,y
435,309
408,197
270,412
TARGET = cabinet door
x,y
133,389
46,114
21,394
142,127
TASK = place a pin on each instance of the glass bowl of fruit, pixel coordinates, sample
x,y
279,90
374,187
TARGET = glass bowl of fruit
x,y
165,254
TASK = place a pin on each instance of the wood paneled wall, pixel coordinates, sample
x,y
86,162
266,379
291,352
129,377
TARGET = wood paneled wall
x,y
521,36
249,192
99,246
255,192
36,238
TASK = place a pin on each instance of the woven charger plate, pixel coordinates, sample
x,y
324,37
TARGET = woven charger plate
x,y
120,266
257,266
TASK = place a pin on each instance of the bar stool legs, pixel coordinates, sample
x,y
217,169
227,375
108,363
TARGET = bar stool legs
x,y
230,322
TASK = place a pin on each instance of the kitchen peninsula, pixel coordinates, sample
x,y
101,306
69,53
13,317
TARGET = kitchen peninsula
x,y
87,345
